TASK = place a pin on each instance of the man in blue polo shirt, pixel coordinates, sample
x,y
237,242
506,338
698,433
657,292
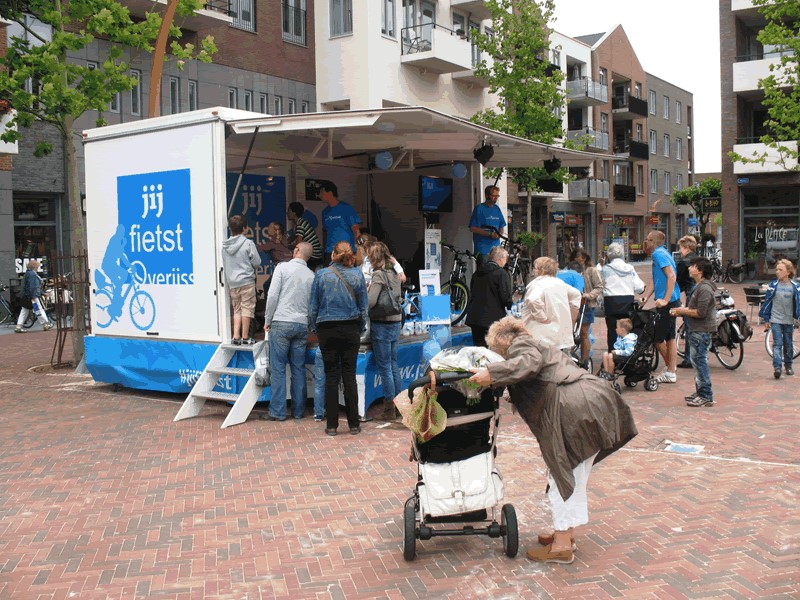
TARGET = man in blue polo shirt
x,y
339,220
486,213
667,296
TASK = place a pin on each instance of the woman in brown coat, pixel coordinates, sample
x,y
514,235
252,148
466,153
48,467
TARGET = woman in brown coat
x,y
576,417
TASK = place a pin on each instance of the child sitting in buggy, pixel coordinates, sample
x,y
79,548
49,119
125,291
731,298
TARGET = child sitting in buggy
x,y
623,348
643,360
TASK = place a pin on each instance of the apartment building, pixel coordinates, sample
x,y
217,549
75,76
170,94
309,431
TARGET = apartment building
x,y
760,202
264,64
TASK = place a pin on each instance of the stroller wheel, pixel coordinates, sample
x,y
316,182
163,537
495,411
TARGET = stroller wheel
x,y
410,529
630,382
508,520
651,385
617,387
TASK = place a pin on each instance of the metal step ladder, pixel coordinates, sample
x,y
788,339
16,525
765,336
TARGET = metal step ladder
x,y
203,389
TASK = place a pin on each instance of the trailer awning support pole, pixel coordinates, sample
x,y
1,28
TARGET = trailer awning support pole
x,y
241,173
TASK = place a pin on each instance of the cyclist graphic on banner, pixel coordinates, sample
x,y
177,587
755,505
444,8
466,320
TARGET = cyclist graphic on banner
x,y
115,267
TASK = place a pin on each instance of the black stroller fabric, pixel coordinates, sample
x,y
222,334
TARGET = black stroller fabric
x,y
637,367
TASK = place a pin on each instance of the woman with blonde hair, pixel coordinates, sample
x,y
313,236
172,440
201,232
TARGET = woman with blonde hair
x,y
550,305
576,417
337,312
780,309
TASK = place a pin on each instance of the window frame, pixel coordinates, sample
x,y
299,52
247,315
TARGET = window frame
x,y
291,106
136,93
297,32
652,99
248,100
678,111
263,103
667,183
233,97
666,107
193,99
653,141
389,8
239,22
277,103
639,180
654,181
174,95
305,106
339,14
667,143
679,148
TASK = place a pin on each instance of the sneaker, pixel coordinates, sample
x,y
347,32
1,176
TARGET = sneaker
x,y
18,330
318,418
236,342
667,377
777,373
248,342
691,397
789,371
48,326
700,401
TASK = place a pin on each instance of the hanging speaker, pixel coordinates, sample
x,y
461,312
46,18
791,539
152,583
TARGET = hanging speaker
x,y
483,154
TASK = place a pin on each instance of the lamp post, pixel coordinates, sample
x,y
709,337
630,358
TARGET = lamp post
x,y
154,108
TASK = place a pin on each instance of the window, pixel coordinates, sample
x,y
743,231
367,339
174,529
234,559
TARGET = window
x,y
637,90
604,170
678,110
603,76
174,95
341,17
291,106
277,102
666,145
666,107
667,182
304,106
91,65
640,179
604,122
248,100
387,18
679,148
113,106
459,24
243,14
294,21
233,98
653,144
136,93
679,181
193,95
556,57
653,180
263,105
652,101
639,131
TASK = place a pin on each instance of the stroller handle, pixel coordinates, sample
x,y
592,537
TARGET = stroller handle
x,y
447,377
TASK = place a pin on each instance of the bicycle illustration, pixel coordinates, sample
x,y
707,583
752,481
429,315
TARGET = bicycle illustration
x,y
110,302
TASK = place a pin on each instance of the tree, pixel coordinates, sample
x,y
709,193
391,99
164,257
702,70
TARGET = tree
x,y
521,74
41,82
695,197
780,36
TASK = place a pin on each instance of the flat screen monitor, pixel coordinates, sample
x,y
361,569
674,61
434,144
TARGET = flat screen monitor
x,y
435,194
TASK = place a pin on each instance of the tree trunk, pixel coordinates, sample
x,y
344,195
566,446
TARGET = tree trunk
x,y
530,210
157,66
77,236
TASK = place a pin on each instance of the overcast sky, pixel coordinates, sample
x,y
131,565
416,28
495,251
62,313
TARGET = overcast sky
x,y
676,40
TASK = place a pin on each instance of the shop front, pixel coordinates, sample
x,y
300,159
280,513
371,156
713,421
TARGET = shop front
x,y
572,230
37,231
771,219
625,230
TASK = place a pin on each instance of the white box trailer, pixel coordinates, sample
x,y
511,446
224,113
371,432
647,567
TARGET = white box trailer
x,y
159,191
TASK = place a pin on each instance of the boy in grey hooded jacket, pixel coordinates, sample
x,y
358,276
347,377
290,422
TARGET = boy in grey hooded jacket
x,y
240,259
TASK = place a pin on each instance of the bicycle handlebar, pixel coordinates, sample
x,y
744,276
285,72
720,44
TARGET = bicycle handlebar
x,y
458,252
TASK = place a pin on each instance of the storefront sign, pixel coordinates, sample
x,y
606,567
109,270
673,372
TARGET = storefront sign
x,y
607,219
623,221
743,180
712,205
573,220
653,220
557,217
692,222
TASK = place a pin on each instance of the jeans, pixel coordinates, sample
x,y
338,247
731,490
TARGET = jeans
x,y
319,384
385,340
287,343
782,345
339,341
699,342
687,356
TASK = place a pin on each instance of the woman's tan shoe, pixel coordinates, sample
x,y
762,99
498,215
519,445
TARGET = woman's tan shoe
x,y
546,554
545,539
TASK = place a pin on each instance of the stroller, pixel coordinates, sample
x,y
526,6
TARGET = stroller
x,y
575,351
644,359
457,480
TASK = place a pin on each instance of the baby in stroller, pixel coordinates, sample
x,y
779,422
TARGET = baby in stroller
x,y
642,360
623,348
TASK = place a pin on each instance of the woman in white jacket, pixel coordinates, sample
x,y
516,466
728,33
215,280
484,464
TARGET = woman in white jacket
x,y
620,285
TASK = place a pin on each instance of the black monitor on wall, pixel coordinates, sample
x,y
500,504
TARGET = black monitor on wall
x,y
435,194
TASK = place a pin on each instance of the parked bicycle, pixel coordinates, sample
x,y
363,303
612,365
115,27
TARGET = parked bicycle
x,y
6,312
727,342
732,273
518,267
456,284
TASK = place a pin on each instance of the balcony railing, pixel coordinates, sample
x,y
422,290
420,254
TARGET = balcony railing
x,y
435,48
294,24
211,12
585,90
588,189
590,138
634,149
769,53
628,105
624,193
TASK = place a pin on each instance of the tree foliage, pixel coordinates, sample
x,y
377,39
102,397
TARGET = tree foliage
x,y
522,76
695,195
780,36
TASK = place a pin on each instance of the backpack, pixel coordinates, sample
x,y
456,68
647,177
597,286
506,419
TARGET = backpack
x,y
388,304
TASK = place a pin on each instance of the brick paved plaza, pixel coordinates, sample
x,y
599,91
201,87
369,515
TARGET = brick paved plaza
x,y
103,496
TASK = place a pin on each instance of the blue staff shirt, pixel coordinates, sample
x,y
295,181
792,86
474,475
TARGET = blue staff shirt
x,y
483,215
661,259
338,222
572,278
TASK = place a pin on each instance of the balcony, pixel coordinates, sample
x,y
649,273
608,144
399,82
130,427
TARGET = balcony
x,y
741,5
590,139
470,77
624,193
588,189
552,186
635,150
748,70
435,49
478,9
585,92
628,108
772,164
213,12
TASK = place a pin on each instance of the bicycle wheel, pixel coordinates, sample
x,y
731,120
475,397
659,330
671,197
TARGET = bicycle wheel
x,y
680,338
459,300
143,310
730,356
795,341
102,303
736,275
30,320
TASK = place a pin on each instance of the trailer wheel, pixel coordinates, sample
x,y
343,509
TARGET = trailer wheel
x,y
508,519
409,530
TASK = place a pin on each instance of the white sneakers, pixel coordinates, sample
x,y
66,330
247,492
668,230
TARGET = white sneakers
x,y
667,377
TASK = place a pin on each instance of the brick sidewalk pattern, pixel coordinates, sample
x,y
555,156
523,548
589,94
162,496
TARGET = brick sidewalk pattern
x,y
103,496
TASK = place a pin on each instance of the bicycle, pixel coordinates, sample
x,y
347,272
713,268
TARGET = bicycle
x,y
795,340
142,307
732,273
518,267
6,312
727,342
456,284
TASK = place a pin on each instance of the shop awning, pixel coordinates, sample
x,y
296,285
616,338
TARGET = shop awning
x,y
413,136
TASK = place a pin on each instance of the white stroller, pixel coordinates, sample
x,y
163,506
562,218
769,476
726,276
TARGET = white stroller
x,y
457,480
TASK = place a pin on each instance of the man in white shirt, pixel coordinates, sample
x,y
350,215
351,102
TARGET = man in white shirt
x,y
286,320
551,306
